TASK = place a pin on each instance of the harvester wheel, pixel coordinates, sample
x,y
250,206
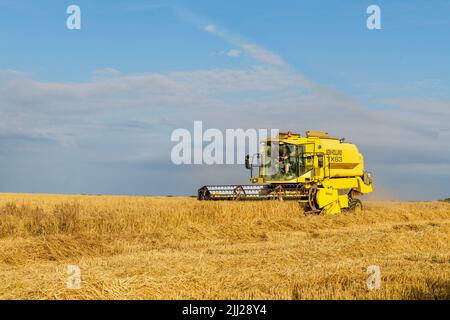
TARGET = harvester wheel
x,y
355,205
312,207
312,197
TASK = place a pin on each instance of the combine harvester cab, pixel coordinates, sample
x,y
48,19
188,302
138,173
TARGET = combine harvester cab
x,y
324,173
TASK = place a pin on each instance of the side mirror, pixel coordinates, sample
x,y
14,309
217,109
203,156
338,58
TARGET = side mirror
x,y
247,162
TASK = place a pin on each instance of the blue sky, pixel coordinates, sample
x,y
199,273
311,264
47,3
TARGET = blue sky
x,y
84,110
326,40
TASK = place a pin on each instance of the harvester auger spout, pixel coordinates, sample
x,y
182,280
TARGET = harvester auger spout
x,y
324,173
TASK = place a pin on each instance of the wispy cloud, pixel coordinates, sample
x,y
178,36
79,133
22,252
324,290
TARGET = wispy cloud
x,y
262,54
106,72
210,28
234,53
254,50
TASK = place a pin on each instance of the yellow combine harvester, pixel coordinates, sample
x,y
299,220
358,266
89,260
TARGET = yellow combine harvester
x,y
324,173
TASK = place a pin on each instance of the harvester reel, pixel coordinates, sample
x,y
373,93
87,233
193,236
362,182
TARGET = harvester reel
x,y
239,193
279,193
203,194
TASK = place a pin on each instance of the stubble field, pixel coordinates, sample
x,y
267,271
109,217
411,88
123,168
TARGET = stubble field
x,y
179,248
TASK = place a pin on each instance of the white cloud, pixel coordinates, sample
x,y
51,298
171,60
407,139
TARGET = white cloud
x,y
263,97
106,73
136,114
234,53
254,50
210,28
262,54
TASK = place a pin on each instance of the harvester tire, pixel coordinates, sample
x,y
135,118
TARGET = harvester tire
x,y
312,197
355,205
312,207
